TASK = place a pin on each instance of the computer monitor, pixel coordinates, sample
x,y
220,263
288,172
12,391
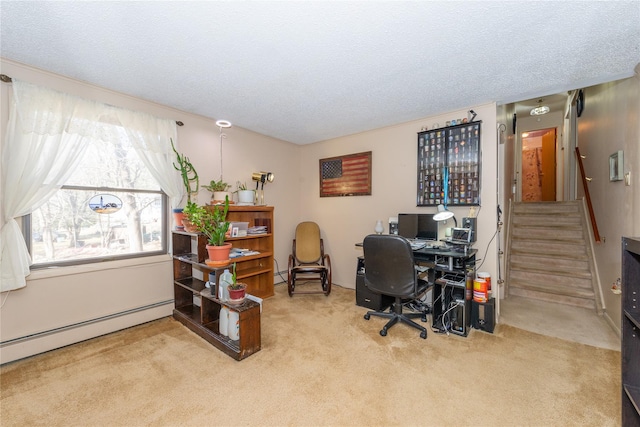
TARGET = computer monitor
x,y
417,226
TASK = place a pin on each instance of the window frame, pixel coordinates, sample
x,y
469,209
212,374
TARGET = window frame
x,y
27,232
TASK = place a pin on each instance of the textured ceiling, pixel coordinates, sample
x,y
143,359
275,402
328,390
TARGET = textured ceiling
x,y
306,71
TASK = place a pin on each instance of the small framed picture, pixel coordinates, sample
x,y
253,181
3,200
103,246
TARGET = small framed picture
x,y
616,166
234,232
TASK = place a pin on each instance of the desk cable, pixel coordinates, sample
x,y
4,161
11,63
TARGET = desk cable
x,y
446,324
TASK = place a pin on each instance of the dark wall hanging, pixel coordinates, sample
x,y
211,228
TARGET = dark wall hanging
x,y
449,166
348,175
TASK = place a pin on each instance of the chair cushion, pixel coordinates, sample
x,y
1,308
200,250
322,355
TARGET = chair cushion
x,y
389,266
308,242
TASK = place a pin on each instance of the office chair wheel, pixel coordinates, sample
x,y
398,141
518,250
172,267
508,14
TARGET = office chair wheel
x,y
367,316
423,335
383,332
424,318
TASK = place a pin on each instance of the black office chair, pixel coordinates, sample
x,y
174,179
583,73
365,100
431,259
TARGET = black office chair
x,y
390,270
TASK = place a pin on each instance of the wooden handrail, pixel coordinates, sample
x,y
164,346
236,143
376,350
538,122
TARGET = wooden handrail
x,y
596,234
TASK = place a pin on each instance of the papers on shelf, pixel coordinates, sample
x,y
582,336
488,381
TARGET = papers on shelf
x,y
238,252
417,244
258,229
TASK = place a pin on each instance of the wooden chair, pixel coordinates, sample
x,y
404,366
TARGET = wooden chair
x,y
307,261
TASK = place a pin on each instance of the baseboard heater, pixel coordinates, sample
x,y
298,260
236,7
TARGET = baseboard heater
x,y
83,323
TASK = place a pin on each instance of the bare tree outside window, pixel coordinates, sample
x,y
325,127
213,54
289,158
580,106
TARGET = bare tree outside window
x,y
67,230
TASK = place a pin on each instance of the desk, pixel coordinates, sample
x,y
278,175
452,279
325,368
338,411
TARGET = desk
x,y
451,309
451,300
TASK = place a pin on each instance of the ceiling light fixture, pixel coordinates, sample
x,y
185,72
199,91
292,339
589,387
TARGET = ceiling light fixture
x,y
540,109
222,124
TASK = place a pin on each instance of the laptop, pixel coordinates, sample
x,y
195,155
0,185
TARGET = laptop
x,y
461,236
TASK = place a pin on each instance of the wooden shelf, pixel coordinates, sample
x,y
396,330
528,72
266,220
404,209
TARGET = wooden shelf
x,y
191,284
190,274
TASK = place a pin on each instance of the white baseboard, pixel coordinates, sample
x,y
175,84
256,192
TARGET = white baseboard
x,y
29,346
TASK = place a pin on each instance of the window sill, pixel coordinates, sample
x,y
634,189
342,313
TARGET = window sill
x,y
49,272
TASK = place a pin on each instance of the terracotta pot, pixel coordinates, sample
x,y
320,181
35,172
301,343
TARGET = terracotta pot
x,y
177,218
237,294
189,226
219,253
218,197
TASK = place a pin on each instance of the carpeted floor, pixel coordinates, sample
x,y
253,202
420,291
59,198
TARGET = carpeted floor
x,y
321,363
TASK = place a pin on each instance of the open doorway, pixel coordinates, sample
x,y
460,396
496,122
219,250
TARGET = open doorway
x,y
545,140
538,183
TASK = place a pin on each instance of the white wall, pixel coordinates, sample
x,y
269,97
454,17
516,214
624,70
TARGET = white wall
x,y
610,123
142,288
345,221
57,298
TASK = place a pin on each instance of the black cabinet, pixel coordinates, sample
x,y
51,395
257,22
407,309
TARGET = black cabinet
x,y
630,331
366,298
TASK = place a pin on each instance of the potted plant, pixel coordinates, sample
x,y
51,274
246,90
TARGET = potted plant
x,y
237,290
219,191
192,216
189,179
245,197
212,222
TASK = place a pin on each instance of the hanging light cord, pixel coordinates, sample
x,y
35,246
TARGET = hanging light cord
x,y
222,136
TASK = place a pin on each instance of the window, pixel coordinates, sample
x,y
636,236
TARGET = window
x,y
67,230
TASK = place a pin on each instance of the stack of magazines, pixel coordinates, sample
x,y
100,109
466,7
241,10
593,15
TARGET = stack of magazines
x,y
258,229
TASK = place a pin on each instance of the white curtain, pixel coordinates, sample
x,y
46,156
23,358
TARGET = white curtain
x,y
47,134
152,138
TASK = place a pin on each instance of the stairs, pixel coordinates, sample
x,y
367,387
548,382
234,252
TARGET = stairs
x,y
549,255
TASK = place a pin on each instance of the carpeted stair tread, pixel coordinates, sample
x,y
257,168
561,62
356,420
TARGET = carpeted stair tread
x,y
548,255
568,249
543,220
553,288
554,298
548,263
562,279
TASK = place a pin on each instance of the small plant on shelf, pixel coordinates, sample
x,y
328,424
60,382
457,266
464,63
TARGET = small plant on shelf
x,y
217,186
237,290
214,224
210,221
245,196
234,279
193,215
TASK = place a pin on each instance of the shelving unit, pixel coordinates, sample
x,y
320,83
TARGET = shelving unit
x,y
197,307
630,331
254,270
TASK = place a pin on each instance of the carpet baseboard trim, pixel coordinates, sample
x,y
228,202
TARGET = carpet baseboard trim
x,y
83,323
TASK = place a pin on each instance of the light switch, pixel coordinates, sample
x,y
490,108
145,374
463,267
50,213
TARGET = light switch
x,y
627,179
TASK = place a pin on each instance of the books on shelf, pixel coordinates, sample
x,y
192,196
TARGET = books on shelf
x,y
238,252
258,229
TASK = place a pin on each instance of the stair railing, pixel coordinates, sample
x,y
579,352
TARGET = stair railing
x,y
585,179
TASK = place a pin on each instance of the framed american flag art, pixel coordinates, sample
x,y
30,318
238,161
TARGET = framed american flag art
x,y
348,175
